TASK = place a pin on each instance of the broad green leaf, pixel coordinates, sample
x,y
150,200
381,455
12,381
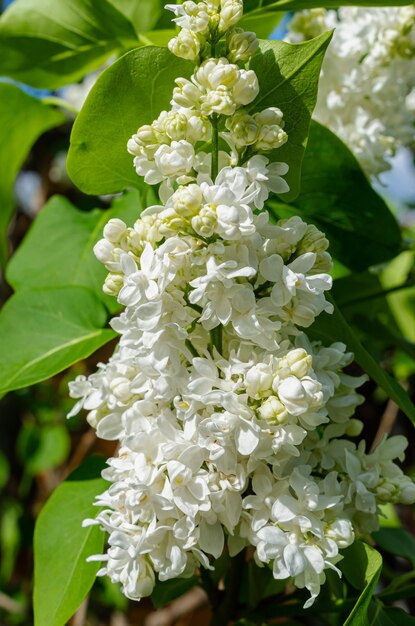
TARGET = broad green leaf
x,y
44,331
50,44
337,197
397,541
288,77
168,590
58,247
299,5
143,14
262,23
132,92
42,447
391,616
362,566
159,37
330,328
364,305
23,119
62,575
401,270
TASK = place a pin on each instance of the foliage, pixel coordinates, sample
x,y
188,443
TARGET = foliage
x,y
57,317
23,120
61,545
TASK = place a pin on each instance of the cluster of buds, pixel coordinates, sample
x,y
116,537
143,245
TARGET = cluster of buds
x,y
203,24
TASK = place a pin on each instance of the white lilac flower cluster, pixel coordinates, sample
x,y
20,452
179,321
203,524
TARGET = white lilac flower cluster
x,y
230,422
367,86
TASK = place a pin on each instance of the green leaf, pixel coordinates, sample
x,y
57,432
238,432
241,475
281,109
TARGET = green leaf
x,y
62,575
143,14
4,470
299,5
397,541
132,92
362,566
168,590
159,37
58,246
337,197
330,328
262,24
42,447
288,77
44,331
50,44
23,119
392,616
10,536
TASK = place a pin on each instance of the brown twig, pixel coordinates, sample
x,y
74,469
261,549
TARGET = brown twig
x,y
80,616
386,423
85,444
194,599
10,605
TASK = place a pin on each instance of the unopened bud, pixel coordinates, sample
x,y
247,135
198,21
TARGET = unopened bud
x,y
186,45
204,222
247,88
114,230
273,410
113,284
230,14
243,129
241,44
299,362
187,200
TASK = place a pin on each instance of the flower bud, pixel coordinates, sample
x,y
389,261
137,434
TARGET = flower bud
x,y
354,428
186,94
187,200
103,250
241,44
176,159
114,230
313,241
243,129
258,381
186,45
270,137
196,17
273,410
272,116
230,14
204,222
299,362
176,126
198,129
407,493
247,88
223,75
144,137
113,283
219,101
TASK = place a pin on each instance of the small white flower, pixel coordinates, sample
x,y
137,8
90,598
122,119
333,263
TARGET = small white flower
x,y
241,44
186,45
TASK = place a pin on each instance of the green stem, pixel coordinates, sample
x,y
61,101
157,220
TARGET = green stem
x,y
191,348
216,338
215,147
60,102
226,610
